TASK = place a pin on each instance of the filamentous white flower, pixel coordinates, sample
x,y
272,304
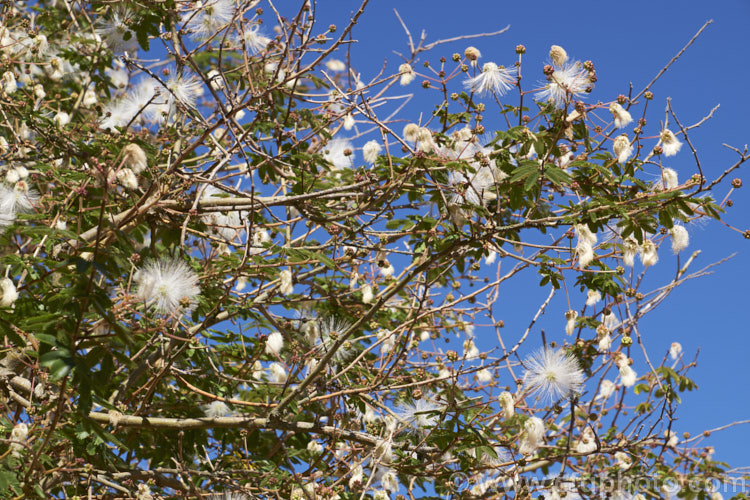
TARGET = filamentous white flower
x,y
167,285
8,293
585,253
630,249
274,343
348,121
669,143
286,287
532,436
649,256
507,404
127,179
278,373
490,258
624,461
620,114
470,349
113,31
371,150
9,83
587,443
627,375
672,438
254,39
668,179
424,140
675,350
567,82
680,238
216,409
593,297
606,389
407,74
61,118
622,148
336,65
484,375
419,415
339,153
210,19
570,321
18,435
553,373
389,481
410,132
357,477
367,294
493,79
134,158
315,447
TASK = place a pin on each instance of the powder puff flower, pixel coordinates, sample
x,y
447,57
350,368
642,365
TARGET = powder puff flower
x,y
570,321
585,253
630,249
472,188
672,438
348,122
592,297
216,409
419,415
587,443
410,132
585,234
315,447
606,389
8,293
472,54
178,89
207,20
371,150
357,477
484,375
274,343
470,349
669,143
114,31
167,285
278,373
127,179
367,294
424,140
507,403
407,74
553,373
493,79
627,375
134,158
9,83
558,55
680,238
567,82
620,114
624,461
286,286
533,435
254,39
622,148
675,350
649,257
339,153
226,224
18,435
605,340
389,481
490,258
22,198
668,179
610,321
336,65
61,118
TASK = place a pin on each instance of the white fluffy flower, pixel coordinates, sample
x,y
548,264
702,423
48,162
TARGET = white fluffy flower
x,y
624,461
209,19
630,249
484,375
668,179
627,375
371,150
389,481
672,438
315,447
493,78
278,373
274,343
348,121
285,282
216,409
585,253
587,443
8,293
61,118
9,83
114,29
127,179
533,435
134,158
570,321
606,389
620,114
357,477
507,403
254,39
669,143
553,373
336,65
367,294
649,256
339,153
419,415
18,435
470,349
568,81
407,74
675,350
680,238
605,341
622,148
167,285
593,297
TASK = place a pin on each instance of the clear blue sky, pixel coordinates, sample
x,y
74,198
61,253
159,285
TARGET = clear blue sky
x,y
629,42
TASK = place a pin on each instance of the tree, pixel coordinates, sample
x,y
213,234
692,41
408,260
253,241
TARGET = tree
x,y
230,271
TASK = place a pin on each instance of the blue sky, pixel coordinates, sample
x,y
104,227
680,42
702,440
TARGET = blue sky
x,y
628,42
